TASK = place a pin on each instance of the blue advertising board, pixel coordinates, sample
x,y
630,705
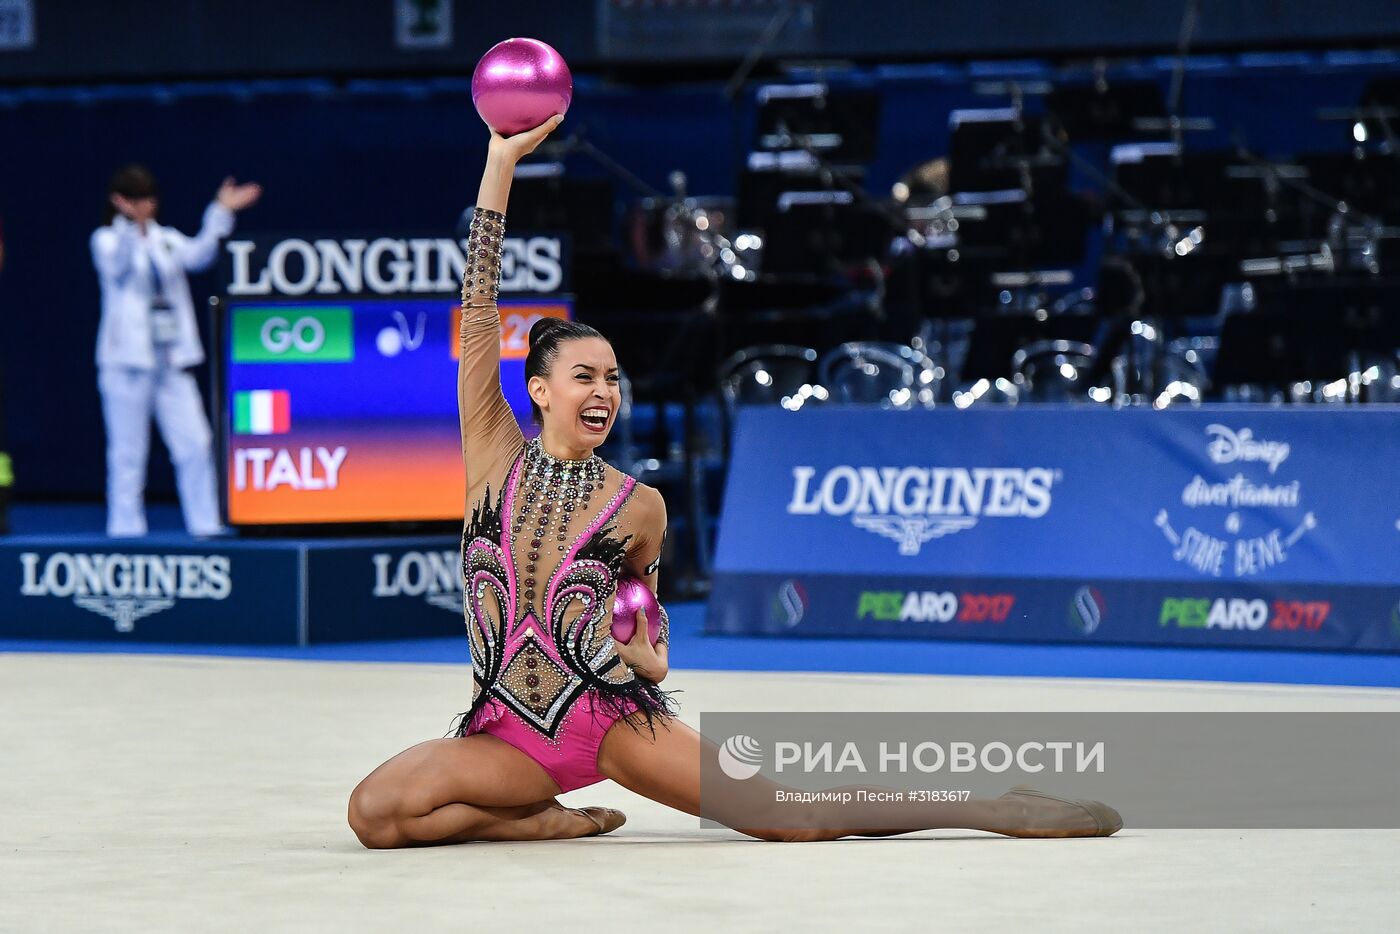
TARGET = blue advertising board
x,y
99,589
251,592
1211,526
392,588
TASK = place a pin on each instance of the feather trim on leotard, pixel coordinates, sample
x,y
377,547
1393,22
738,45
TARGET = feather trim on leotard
x,y
483,561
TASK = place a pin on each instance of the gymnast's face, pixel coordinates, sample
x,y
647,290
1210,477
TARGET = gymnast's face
x,y
580,396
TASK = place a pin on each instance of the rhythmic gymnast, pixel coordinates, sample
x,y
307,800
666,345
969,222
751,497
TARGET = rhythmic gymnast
x,y
557,704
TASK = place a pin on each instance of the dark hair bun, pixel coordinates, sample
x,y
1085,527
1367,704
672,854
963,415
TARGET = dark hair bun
x,y
540,328
546,335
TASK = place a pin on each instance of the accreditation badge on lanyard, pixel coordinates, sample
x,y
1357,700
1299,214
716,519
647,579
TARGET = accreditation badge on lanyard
x,y
164,329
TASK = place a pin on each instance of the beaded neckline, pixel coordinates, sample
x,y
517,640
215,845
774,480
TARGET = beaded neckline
x,y
553,489
536,454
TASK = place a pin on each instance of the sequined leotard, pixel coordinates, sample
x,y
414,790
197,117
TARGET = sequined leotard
x,y
543,545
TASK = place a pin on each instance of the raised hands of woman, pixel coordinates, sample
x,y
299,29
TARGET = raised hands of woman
x,y
514,148
237,197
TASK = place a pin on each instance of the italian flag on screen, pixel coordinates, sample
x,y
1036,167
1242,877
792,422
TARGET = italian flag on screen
x,y
262,412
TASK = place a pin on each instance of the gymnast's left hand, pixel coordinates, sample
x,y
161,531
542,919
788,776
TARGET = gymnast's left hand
x,y
640,655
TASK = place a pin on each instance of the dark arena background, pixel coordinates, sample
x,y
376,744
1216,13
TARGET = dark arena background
x,y
989,356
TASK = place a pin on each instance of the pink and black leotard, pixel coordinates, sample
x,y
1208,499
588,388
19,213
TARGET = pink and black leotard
x,y
540,562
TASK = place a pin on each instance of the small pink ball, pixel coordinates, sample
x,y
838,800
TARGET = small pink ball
x,y
519,84
633,595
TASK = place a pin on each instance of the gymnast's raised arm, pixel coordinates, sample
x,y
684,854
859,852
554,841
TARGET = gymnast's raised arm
x,y
490,436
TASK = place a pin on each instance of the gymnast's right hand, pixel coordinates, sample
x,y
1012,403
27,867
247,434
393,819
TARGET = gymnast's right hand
x,y
514,148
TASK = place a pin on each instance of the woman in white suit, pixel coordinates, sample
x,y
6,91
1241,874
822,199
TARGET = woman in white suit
x,y
147,341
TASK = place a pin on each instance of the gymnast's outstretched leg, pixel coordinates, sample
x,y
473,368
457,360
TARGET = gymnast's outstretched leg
x,y
665,766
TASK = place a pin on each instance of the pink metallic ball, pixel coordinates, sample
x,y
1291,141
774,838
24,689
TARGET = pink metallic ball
x,y
519,84
634,595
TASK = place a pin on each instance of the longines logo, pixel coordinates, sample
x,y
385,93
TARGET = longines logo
x,y
914,505
125,588
432,575
384,266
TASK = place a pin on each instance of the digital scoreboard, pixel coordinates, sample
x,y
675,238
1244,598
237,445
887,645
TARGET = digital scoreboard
x,y
345,411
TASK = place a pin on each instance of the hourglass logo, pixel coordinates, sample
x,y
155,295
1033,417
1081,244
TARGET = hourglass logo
x,y
1086,610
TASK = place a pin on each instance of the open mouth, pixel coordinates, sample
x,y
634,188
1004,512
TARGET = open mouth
x,y
595,418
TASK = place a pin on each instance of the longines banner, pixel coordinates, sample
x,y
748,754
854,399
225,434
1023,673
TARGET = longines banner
x,y
126,590
316,266
239,593
388,589
1215,526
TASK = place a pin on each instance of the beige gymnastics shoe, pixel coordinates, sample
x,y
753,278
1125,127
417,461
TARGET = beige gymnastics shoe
x,y
1102,820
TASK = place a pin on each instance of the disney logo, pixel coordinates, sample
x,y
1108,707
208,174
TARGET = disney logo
x,y
1227,446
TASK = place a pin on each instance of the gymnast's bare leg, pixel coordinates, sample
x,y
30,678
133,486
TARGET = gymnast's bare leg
x,y
462,789
665,767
